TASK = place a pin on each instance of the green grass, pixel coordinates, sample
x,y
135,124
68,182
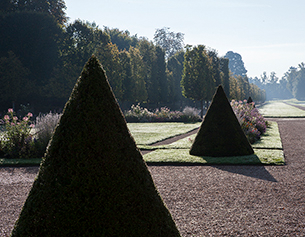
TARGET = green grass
x,y
149,133
182,156
20,162
295,102
271,139
268,151
279,109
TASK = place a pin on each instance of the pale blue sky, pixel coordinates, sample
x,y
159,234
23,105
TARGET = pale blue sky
x,y
268,34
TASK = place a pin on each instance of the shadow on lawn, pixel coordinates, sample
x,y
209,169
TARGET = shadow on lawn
x,y
257,171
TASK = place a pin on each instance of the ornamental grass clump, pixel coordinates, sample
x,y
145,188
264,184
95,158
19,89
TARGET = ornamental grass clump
x,y
251,121
16,140
44,127
93,180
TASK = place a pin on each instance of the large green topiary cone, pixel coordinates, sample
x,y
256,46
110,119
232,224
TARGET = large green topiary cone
x,y
220,133
93,180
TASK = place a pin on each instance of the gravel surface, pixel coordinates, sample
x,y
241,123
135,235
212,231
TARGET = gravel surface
x,y
210,200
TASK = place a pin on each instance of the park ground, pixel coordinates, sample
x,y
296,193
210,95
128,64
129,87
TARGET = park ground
x,y
210,200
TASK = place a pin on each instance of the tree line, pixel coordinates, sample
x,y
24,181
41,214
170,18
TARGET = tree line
x,y
42,55
292,84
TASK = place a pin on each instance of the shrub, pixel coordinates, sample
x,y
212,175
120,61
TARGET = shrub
x,y
252,122
16,140
93,180
220,134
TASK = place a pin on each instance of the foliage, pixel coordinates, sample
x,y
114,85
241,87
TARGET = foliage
x,y
139,114
174,69
122,39
252,122
55,8
46,58
198,81
170,42
17,140
296,81
32,42
13,77
236,64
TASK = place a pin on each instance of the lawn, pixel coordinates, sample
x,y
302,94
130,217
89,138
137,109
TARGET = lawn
x,y
268,151
295,102
149,133
280,109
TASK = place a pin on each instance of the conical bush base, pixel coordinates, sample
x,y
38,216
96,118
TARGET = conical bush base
x,y
93,180
220,134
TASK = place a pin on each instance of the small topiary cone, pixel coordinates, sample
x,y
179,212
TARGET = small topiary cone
x,y
93,180
220,134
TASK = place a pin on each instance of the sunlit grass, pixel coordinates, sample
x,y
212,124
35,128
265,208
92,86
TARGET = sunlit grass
x,y
271,139
279,109
295,102
148,133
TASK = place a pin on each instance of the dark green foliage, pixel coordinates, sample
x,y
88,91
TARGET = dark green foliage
x,y
93,180
32,37
220,133
55,8
249,100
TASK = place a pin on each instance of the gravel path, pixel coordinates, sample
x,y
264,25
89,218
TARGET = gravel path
x,y
210,200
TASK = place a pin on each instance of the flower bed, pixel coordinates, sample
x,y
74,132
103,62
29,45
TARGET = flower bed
x,y
139,114
23,138
251,121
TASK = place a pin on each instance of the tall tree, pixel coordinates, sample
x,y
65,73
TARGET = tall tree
x,y
236,64
160,79
175,70
54,8
147,52
110,59
215,66
224,68
170,41
198,82
300,89
139,92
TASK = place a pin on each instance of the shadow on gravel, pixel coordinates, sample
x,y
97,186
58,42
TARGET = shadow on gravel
x,y
258,171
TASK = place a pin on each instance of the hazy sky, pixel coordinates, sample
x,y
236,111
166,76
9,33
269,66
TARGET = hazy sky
x,y
268,34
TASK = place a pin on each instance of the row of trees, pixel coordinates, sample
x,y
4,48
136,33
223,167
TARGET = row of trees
x,y
41,58
292,84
